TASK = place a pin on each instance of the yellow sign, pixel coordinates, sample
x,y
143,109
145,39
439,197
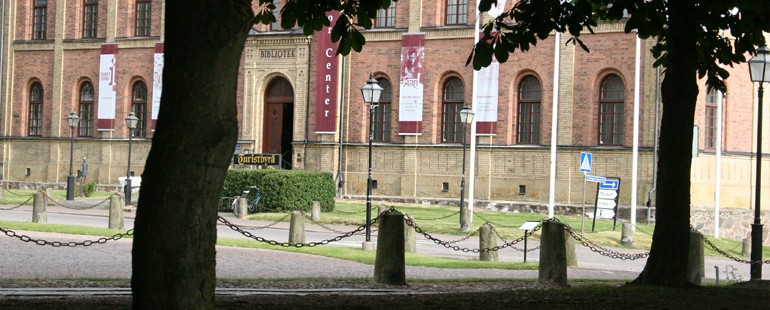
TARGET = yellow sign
x,y
257,159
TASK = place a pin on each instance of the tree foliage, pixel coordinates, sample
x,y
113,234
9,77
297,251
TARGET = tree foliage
x,y
726,29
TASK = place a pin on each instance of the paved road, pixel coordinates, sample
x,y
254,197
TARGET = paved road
x,y
112,260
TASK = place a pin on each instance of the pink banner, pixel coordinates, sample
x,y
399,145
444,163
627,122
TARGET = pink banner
x,y
411,84
327,77
107,87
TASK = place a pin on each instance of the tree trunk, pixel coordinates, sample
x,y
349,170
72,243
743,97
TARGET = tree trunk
x,y
667,262
173,257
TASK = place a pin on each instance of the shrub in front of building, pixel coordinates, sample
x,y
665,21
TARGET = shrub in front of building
x,y
283,190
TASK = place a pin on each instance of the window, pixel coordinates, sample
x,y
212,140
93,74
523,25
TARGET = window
x,y
386,18
86,128
143,14
529,111
36,110
452,128
381,117
39,19
711,119
90,18
611,111
139,106
276,25
456,12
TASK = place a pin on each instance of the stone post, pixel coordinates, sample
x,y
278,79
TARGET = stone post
x,y
49,197
553,256
380,208
242,208
389,263
410,242
746,247
696,266
315,214
38,208
116,213
627,235
487,240
297,227
569,244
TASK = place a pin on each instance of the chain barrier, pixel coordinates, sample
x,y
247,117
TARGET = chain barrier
x,y
438,218
322,225
602,250
57,203
72,244
19,205
490,222
725,254
350,212
513,247
296,245
448,245
266,226
13,193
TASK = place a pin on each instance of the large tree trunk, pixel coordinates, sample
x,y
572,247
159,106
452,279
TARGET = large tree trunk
x,y
173,257
667,262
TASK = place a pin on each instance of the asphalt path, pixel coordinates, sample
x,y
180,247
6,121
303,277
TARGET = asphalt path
x,y
112,260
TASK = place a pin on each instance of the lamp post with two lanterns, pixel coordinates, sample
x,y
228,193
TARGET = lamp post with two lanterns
x,y
759,69
371,92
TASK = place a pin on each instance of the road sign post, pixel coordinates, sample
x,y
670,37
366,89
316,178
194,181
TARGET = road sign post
x,y
585,164
606,205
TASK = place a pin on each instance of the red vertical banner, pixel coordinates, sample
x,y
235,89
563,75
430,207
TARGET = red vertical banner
x,y
327,80
411,85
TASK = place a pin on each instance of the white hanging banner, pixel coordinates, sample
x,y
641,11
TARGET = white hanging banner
x,y
107,87
157,81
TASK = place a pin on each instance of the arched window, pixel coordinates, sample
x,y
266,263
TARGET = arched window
x,y
139,106
86,110
454,93
611,105
530,94
36,109
381,117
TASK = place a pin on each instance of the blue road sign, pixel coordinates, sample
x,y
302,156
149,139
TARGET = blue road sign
x,y
609,184
586,161
595,178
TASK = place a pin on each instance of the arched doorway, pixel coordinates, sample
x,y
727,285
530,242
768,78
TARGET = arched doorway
x,y
279,120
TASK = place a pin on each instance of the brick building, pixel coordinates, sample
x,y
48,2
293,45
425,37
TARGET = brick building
x,y
102,59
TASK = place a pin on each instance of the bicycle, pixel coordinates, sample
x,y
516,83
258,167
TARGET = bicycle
x,y
252,197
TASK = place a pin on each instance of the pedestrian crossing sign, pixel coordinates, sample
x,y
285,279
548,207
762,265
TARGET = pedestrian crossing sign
x,y
586,161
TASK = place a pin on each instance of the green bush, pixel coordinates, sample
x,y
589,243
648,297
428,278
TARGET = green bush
x,y
89,189
283,190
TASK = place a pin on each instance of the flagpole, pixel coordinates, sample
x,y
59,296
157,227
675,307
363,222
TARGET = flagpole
x,y
472,170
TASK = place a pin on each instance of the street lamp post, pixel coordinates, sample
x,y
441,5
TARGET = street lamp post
x,y
466,118
131,121
371,92
759,69
73,121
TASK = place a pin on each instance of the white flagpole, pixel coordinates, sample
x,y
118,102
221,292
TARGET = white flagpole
x,y
635,144
554,123
472,165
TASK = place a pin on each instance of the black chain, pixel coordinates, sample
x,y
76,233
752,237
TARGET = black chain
x,y
72,244
19,205
57,203
296,245
725,254
490,222
513,247
350,212
266,226
602,250
419,230
438,218
13,193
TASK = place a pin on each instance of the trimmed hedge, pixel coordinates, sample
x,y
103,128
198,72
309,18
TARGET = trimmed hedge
x,y
283,190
